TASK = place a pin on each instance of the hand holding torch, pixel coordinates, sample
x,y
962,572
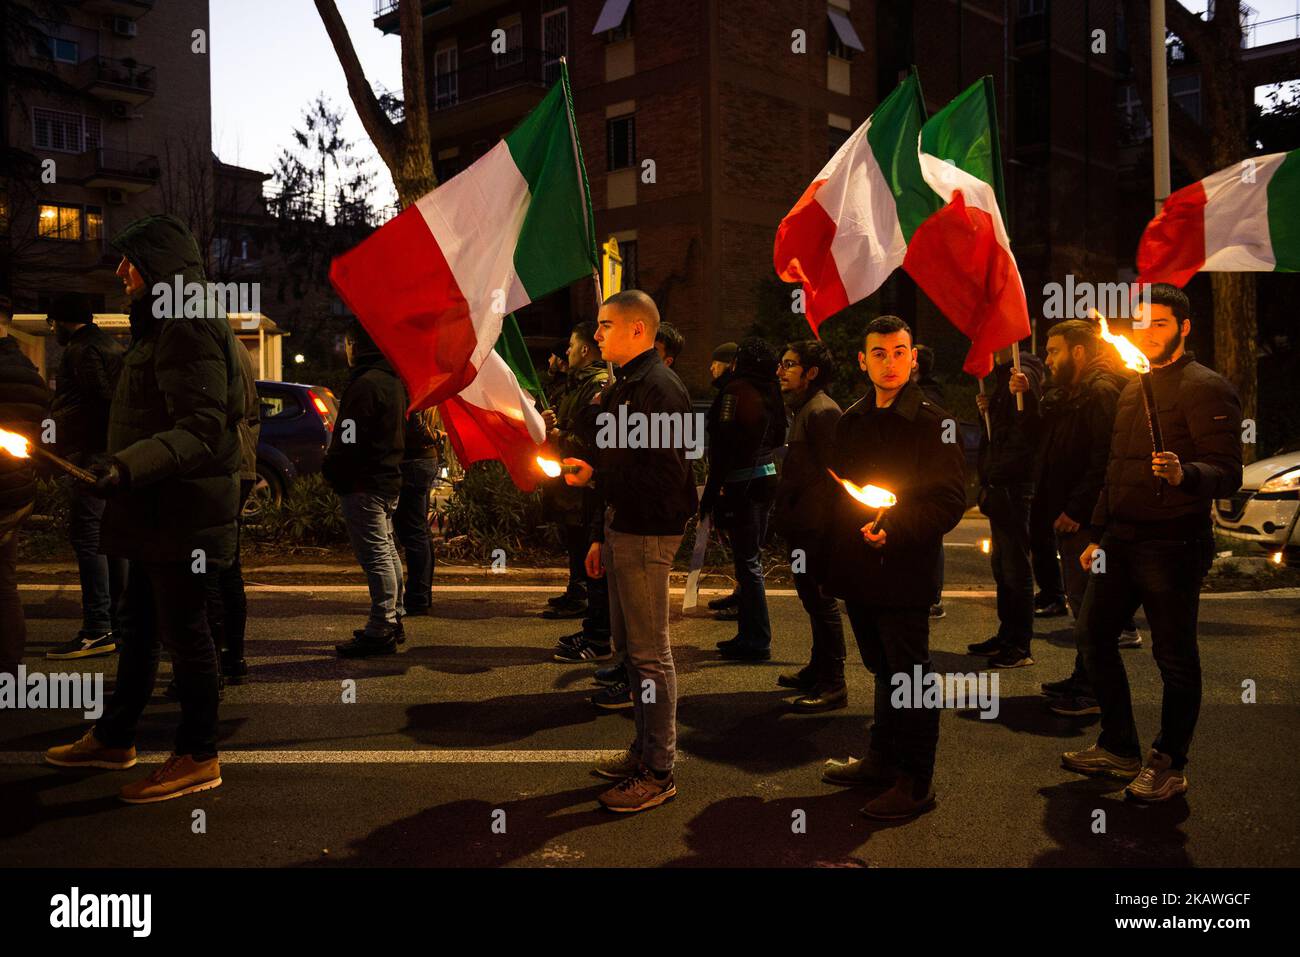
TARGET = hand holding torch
x,y
872,496
20,447
1134,359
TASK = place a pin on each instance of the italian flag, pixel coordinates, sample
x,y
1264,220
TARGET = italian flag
x,y
889,199
1240,219
433,285
493,418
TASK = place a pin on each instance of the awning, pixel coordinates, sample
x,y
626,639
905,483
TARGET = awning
x,y
844,29
612,14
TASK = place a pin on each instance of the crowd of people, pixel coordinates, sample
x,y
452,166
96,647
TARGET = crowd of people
x,y
1076,497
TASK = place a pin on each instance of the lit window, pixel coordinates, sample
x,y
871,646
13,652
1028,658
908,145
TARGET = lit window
x,y
94,223
59,222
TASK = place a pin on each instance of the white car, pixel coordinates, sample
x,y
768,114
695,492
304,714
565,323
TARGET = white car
x,y
1264,509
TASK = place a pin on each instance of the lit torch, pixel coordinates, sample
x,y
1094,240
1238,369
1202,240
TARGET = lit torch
x,y
553,469
1135,360
872,496
20,448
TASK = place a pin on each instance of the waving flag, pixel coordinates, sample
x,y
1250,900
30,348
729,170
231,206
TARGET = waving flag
x,y
1245,218
493,418
433,285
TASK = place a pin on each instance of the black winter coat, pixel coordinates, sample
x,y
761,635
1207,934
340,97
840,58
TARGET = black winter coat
x,y
174,422
746,424
24,404
1075,446
87,379
372,413
1200,416
900,448
1008,457
806,488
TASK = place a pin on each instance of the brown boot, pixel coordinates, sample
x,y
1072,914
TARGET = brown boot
x,y
179,775
873,769
906,799
87,752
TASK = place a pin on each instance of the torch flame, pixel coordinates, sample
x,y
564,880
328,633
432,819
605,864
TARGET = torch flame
x,y
14,444
549,466
1131,354
872,496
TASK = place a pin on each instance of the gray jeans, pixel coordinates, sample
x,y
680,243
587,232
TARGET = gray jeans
x,y
369,519
637,567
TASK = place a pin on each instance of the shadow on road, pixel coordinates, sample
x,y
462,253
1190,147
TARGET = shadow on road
x,y
1136,834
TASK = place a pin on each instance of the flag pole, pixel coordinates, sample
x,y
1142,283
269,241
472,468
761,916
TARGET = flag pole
x,y
1015,362
979,382
582,187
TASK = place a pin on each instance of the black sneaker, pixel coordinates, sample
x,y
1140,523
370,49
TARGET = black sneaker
x,y
1058,689
729,642
583,653
368,646
611,674
726,601
1130,638
617,697
571,608
990,647
566,598
87,644
1074,705
1053,609
727,614
1011,658
937,612
234,670
802,680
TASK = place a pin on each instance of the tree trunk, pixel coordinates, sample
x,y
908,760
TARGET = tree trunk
x,y
1235,333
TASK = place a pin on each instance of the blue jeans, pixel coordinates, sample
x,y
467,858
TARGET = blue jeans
x,y
369,519
746,532
103,579
1164,577
411,523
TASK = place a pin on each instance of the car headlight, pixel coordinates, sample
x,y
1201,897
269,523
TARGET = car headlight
x,y
1288,481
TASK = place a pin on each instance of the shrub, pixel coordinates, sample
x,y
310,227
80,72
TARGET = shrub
x,y
309,514
486,507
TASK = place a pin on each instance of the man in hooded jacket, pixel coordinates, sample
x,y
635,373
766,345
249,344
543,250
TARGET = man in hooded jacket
x,y
171,477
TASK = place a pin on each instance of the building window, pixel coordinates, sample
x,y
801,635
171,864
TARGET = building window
x,y
627,252
1134,127
841,38
555,43
60,222
838,138
94,223
445,169
620,142
1032,110
615,21
64,132
1186,92
445,87
1031,21
56,49
514,30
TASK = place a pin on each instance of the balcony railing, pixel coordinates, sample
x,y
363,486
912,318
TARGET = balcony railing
x,y
506,71
120,78
119,163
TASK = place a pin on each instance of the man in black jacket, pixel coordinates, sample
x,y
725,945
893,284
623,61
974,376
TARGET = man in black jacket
x,y
893,438
1078,415
83,390
24,404
642,471
172,480
746,426
1006,465
363,464
1152,544
803,493
420,463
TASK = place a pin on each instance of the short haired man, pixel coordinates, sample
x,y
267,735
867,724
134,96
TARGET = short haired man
x,y
802,496
1006,463
24,404
363,465
649,494
1152,544
893,438
669,342
83,390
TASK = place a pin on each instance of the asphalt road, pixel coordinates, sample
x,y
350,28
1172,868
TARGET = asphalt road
x,y
472,719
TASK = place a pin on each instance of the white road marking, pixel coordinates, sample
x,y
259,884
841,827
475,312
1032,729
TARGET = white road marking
x,y
252,756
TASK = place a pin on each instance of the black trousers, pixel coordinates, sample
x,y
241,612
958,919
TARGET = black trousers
x,y
895,641
576,544
227,603
824,614
1042,550
1164,577
165,605
1007,508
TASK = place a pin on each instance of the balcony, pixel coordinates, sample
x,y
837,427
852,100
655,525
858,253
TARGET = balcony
x,y
495,90
121,81
129,172
386,17
118,8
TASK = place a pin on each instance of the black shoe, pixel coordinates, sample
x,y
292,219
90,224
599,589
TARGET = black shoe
x,y
234,670
565,610
616,697
726,601
742,652
395,632
87,644
583,653
728,642
419,611
1074,705
368,646
1054,609
937,612
990,647
1011,658
727,614
801,680
611,674
1058,689
569,642
567,598
826,698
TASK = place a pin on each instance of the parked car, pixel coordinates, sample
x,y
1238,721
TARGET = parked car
x,y
1264,510
297,422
